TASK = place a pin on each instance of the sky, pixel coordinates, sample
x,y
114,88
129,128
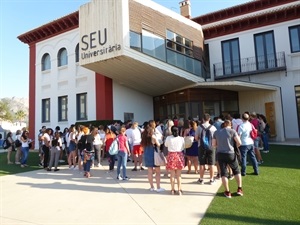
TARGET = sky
x,y
20,16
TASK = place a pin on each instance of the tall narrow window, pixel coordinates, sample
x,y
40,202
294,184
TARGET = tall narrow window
x,y
231,56
265,50
135,41
46,64
63,108
77,53
45,110
62,57
295,38
81,106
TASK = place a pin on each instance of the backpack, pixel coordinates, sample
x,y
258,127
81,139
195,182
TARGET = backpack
x,y
206,138
114,147
253,132
6,144
18,143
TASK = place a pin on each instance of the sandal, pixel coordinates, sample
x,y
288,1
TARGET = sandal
x,y
180,192
188,172
173,192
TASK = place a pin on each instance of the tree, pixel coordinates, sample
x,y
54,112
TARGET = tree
x,y
20,115
5,112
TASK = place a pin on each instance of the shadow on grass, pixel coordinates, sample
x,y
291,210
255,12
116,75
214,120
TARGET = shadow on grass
x,y
245,219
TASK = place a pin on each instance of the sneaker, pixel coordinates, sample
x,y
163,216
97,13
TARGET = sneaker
x,y
126,178
151,189
98,165
199,181
75,168
119,178
212,182
22,166
25,165
56,170
160,190
227,194
265,151
71,167
134,169
17,163
142,168
40,165
92,166
110,171
240,192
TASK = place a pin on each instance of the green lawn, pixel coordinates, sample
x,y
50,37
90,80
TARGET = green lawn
x,y
5,169
270,198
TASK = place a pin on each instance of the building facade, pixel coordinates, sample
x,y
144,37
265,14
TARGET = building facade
x,y
138,60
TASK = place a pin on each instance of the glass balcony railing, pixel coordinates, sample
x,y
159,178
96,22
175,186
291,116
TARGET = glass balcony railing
x,y
251,65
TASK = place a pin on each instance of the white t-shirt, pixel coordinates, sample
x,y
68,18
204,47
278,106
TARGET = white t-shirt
x,y
46,138
174,144
244,132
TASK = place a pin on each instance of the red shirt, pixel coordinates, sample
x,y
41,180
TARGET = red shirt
x,y
109,139
122,142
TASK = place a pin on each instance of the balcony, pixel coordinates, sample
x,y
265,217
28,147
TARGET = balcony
x,y
250,66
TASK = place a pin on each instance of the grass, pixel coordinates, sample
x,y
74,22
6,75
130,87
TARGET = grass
x,y
270,198
5,169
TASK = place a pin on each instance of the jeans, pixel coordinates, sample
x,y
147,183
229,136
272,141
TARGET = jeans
x,y
248,150
265,140
46,151
87,166
25,151
122,160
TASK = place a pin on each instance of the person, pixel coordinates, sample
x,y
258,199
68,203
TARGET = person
x,y
9,143
255,122
25,148
102,137
72,148
122,155
206,155
247,145
55,150
41,153
264,129
149,142
192,152
236,121
97,145
18,148
137,151
223,141
87,150
46,139
175,158
109,138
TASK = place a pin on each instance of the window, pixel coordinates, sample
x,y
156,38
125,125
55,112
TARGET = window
x,y
135,41
179,44
62,57
46,64
295,38
265,50
81,104
63,108
231,56
154,45
45,110
77,53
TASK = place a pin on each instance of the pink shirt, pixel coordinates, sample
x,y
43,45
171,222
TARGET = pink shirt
x,y
255,123
122,143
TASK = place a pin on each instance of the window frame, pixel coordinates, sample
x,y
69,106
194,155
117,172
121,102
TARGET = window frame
x,y
46,110
78,106
232,65
46,58
291,40
62,113
77,53
62,60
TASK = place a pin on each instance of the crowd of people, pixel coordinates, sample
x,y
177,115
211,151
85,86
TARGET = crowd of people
x,y
216,143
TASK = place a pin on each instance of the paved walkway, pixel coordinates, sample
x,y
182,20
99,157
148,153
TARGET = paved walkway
x,y
66,197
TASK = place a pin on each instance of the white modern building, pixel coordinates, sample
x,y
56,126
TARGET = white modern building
x,y
135,59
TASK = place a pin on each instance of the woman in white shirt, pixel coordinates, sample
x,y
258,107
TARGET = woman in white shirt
x,y
175,158
25,148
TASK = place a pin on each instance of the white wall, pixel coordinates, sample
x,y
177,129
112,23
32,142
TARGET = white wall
x,y
131,101
285,80
61,81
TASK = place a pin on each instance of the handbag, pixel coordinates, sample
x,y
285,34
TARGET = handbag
x,y
114,147
188,141
159,158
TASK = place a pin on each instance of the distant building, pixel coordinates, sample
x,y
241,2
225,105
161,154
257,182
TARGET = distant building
x,y
135,59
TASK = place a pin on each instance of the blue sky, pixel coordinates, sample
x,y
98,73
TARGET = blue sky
x,y
19,16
